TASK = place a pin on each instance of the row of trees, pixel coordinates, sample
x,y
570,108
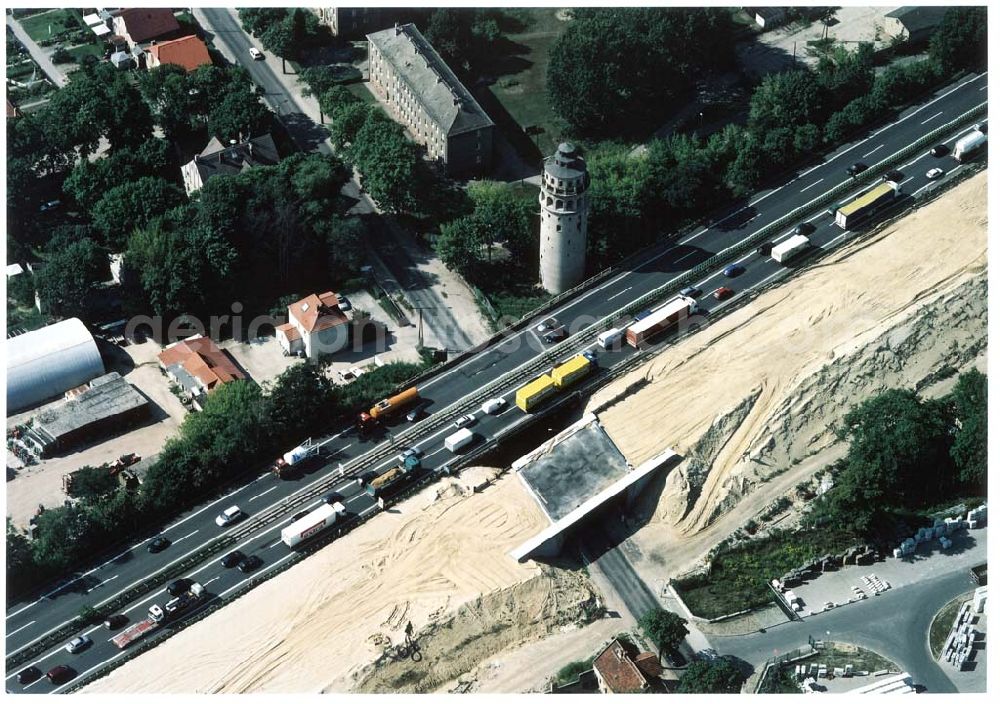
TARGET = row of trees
x,y
285,31
908,453
241,423
717,676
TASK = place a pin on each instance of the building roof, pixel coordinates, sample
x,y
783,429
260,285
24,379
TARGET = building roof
x,y
566,163
227,160
145,23
618,671
44,363
448,103
649,664
186,52
290,332
201,360
315,313
918,17
107,396
768,13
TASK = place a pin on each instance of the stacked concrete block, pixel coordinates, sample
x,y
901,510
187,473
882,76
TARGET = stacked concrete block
x,y
945,542
977,515
979,600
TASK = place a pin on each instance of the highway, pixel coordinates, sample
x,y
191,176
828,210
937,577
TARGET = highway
x,y
26,622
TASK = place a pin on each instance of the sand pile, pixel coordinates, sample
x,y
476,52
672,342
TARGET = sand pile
x,y
309,628
758,393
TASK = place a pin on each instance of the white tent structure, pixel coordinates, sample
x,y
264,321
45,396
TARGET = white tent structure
x,y
44,363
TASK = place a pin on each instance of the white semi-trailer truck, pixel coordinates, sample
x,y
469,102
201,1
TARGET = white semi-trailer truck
x,y
790,248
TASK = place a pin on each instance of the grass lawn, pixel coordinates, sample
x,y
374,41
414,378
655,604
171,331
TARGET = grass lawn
x,y
941,625
79,52
520,84
37,26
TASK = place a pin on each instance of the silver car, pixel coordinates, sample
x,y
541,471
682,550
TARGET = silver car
x,y
77,644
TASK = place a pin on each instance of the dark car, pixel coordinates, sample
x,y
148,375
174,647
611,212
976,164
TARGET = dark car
x,y
804,228
232,559
556,335
333,497
60,674
115,621
894,176
765,249
178,586
159,544
28,675
642,314
591,355
939,150
856,168
416,414
733,270
250,563
297,516
691,291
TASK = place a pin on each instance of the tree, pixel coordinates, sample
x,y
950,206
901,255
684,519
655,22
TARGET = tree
x,y
303,402
718,676
786,99
71,276
392,170
960,40
239,112
89,180
132,205
93,483
969,451
665,628
345,246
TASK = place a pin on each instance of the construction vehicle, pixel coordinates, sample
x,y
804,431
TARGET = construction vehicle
x,y
387,408
397,474
282,466
535,392
867,203
312,523
969,145
157,616
790,248
662,317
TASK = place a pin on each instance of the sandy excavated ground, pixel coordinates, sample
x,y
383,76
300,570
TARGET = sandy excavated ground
x,y
313,626
755,396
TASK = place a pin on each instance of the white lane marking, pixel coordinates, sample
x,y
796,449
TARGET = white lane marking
x,y
359,496
983,88
276,542
186,536
873,150
689,254
815,183
213,579
620,293
938,114
901,183
20,629
101,584
262,493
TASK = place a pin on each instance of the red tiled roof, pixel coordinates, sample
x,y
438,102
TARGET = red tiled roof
x,y
616,668
315,313
143,23
203,360
186,52
649,664
290,332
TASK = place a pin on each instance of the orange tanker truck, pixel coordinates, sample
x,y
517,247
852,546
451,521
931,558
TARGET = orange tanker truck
x,y
387,408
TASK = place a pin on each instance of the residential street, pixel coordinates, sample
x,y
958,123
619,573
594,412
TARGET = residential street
x,y
37,53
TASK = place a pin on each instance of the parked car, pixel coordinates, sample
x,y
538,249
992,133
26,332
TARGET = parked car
x,y
249,564
733,270
546,325
178,586
935,173
28,675
691,291
939,150
229,516
557,335
60,674
765,249
115,621
232,559
158,544
49,205
894,176
463,421
856,168
77,644
804,228
722,293
256,54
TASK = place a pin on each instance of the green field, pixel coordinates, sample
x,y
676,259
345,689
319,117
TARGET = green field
x,y
37,26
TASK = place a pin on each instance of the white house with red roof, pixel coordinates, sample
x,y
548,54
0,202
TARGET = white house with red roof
x,y
315,326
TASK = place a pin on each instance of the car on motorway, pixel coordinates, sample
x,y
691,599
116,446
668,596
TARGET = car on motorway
x,y
722,293
297,516
408,452
28,675
333,497
158,544
256,54
557,335
894,176
804,228
939,150
115,621
249,564
832,210
642,314
77,644
856,168
765,249
493,406
935,173
546,325
178,586
691,291
980,127
232,559
229,516
417,413
60,674
591,355
466,420
732,271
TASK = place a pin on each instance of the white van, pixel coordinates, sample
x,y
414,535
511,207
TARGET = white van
x,y
609,337
494,405
456,441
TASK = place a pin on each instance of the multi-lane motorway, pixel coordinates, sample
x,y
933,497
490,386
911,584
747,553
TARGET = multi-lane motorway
x,y
26,622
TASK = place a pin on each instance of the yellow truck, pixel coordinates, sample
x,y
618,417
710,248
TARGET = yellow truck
x,y
568,372
535,392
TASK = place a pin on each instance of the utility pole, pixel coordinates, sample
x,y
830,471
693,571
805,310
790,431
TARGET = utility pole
x,y
420,324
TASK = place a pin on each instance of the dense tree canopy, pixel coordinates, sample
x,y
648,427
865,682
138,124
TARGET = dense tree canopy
x,y
969,451
718,676
665,628
133,204
960,40
71,276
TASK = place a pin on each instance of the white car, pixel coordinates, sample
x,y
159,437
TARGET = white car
x,y
256,54
228,516
494,405
465,420
78,644
934,173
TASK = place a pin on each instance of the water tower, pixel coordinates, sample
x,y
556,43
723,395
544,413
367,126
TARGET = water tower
x,y
565,204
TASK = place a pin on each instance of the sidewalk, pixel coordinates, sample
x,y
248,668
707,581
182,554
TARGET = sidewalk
x,y
38,54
